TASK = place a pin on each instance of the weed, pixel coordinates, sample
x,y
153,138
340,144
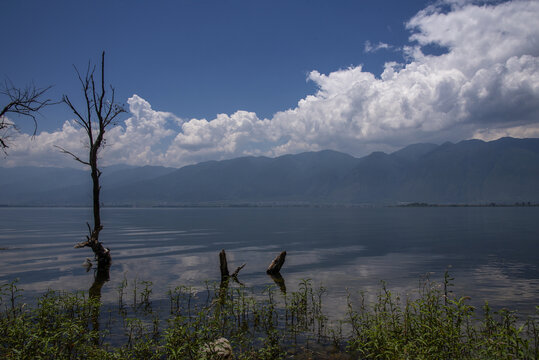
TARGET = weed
x,y
263,325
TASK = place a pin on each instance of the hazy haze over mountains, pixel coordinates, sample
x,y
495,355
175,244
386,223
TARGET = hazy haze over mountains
x,y
472,171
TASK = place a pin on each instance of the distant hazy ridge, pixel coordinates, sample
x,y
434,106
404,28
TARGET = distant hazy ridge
x,y
473,171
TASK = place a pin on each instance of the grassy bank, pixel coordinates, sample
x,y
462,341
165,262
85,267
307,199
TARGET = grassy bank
x,y
435,324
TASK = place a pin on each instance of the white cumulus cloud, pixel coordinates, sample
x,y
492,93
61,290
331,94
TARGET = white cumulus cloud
x,y
140,140
370,48
485,84
144,137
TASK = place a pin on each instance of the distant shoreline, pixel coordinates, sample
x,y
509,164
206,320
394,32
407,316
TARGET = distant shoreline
x,y
492,204
275,205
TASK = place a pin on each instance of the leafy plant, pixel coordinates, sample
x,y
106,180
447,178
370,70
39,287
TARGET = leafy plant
x,y
263,325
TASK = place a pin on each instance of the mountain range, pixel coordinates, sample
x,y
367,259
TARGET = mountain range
x,y
469,172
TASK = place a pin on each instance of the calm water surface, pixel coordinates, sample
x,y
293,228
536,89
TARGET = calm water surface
x,y
493,252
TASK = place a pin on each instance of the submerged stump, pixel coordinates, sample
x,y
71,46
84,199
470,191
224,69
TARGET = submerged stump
x,y
275,266
223,265
101,253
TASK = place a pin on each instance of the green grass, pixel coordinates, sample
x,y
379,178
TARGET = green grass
x,y
435,324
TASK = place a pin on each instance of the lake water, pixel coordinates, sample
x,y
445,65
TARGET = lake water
x,y
493,252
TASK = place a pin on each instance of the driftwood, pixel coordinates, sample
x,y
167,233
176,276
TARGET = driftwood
x,y
276,264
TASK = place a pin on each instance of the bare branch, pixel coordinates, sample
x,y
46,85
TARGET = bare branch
x,y
80,120
85,85
2,144
110,105
82,244
25,102
237,271
102,83
95,102
73,155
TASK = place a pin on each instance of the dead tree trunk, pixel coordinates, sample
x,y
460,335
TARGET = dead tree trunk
x,y
224,267
101,253
98,114
276,264
225,276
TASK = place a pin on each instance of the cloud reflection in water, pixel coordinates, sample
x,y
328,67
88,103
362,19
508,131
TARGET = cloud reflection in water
x,y
337,248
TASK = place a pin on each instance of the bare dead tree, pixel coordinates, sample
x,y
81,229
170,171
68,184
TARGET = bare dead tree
x,y
25,102
98,113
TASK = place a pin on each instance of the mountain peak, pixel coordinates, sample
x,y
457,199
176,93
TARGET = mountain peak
x,y
505,170
415,151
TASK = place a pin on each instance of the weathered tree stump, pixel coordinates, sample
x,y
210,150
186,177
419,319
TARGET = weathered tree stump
x,y
101,253
276,264
225,276
224,267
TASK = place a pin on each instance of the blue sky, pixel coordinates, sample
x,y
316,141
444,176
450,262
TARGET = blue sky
x,y
199,58
285,76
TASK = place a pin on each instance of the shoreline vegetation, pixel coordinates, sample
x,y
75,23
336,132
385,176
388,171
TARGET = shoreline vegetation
x,y
226,320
